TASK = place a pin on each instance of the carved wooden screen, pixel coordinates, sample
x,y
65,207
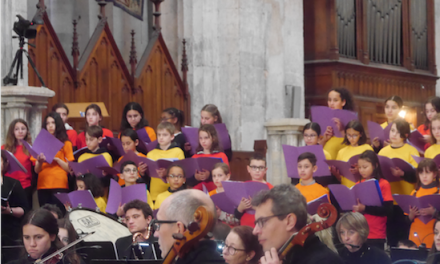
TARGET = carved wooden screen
x,y
52,64
103,76
157,83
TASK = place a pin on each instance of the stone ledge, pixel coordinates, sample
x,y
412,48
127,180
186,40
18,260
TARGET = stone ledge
x,y
24,91
286,124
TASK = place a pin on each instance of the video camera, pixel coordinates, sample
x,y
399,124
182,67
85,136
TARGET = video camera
x,y
25,28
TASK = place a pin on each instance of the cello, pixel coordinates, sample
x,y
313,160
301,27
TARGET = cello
x,y
325,210
197,230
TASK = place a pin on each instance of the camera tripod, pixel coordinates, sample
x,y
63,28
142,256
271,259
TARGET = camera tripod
x,y
17,63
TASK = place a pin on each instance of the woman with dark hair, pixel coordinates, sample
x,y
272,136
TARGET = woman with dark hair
x,y
40,238
63,111
242,247
53,177
133,117
93,116
337,98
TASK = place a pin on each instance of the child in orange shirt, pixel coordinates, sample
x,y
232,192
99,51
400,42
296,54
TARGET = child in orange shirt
x,y
133,118
53,178
308,187
427,184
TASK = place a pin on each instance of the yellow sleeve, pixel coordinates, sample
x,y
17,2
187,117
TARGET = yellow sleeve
x,y
411,160
149,200
159,200
100,202
180,155
327,155
108,158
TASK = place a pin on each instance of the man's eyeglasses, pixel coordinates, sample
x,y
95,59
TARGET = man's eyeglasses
x,y
130,170
262,220
156,223
256,168
171,176
231,250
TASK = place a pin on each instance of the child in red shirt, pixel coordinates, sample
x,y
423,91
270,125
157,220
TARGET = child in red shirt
x,y
376,216
19,130
93,117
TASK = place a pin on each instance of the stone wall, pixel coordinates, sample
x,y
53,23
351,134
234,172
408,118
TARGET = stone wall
x,y
437,41
245,57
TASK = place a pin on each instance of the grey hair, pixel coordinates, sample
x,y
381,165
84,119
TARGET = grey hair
x,y
286,199
183,206
354,221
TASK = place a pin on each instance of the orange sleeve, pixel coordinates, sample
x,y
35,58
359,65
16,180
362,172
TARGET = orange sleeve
x,y
151,133
68,151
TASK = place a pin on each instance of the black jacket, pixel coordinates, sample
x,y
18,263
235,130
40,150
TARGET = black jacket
x,y
313,252
204,253
365,254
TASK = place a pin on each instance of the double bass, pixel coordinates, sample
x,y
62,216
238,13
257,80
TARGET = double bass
x,y
197,230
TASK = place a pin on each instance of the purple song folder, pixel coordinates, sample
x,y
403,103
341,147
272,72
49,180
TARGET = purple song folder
x,y
129,156
291,154
312,206
119,196
344,169
143,135
115,143
223,202
153,165
405,201
44,143
14,164
436,159
324,115
192,137
77,198
223,135
190,165
376,130
418,141
89,165
367,192
237,190
386,164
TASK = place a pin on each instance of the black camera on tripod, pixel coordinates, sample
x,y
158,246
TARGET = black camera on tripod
x,y
26,28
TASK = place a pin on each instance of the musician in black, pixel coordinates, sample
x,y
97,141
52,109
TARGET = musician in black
x,y
138,216
175,214
280,213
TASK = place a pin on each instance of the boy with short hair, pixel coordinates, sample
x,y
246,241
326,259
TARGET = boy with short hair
x,y
257,169
308,187
93,139
129,173
166,149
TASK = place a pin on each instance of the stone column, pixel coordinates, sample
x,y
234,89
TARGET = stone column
x,y
437,41
286,131
24,102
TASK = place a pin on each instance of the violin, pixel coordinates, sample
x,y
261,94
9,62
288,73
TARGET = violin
x,y
198,229
325,210
58,255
